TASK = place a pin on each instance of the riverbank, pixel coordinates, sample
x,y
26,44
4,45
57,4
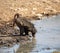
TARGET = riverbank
x,y
10,35
9,41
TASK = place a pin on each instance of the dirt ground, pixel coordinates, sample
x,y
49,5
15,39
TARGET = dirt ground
x,y
28,8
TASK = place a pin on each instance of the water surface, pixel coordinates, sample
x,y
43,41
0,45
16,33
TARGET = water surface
x,y
48,35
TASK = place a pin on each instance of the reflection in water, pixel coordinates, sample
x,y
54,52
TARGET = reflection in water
x,y
9,49
27,47
23,47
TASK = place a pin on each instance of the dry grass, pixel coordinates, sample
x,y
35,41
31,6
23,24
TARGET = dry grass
x,y
27,7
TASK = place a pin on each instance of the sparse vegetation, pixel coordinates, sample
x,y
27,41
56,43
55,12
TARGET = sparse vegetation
x,y
27,8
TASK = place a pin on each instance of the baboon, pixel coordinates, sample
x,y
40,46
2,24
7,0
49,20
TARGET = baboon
x,y
24,25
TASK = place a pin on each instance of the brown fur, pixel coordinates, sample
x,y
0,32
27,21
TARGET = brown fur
x,y
24,25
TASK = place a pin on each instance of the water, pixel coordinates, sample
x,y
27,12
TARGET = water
x,y
48,35
47,38
9,49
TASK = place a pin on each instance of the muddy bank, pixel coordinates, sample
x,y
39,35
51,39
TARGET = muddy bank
x,y
10,35
9,41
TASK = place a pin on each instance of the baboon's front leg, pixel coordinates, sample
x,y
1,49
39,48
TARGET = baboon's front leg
x,y
33,34
21,31
26,32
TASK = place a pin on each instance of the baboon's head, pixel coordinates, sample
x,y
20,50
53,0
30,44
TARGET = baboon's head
x,y
33,29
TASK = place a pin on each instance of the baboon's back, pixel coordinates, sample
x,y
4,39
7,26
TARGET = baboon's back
x,y
27,23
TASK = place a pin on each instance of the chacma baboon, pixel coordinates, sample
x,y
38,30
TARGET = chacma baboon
x,y
24,25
